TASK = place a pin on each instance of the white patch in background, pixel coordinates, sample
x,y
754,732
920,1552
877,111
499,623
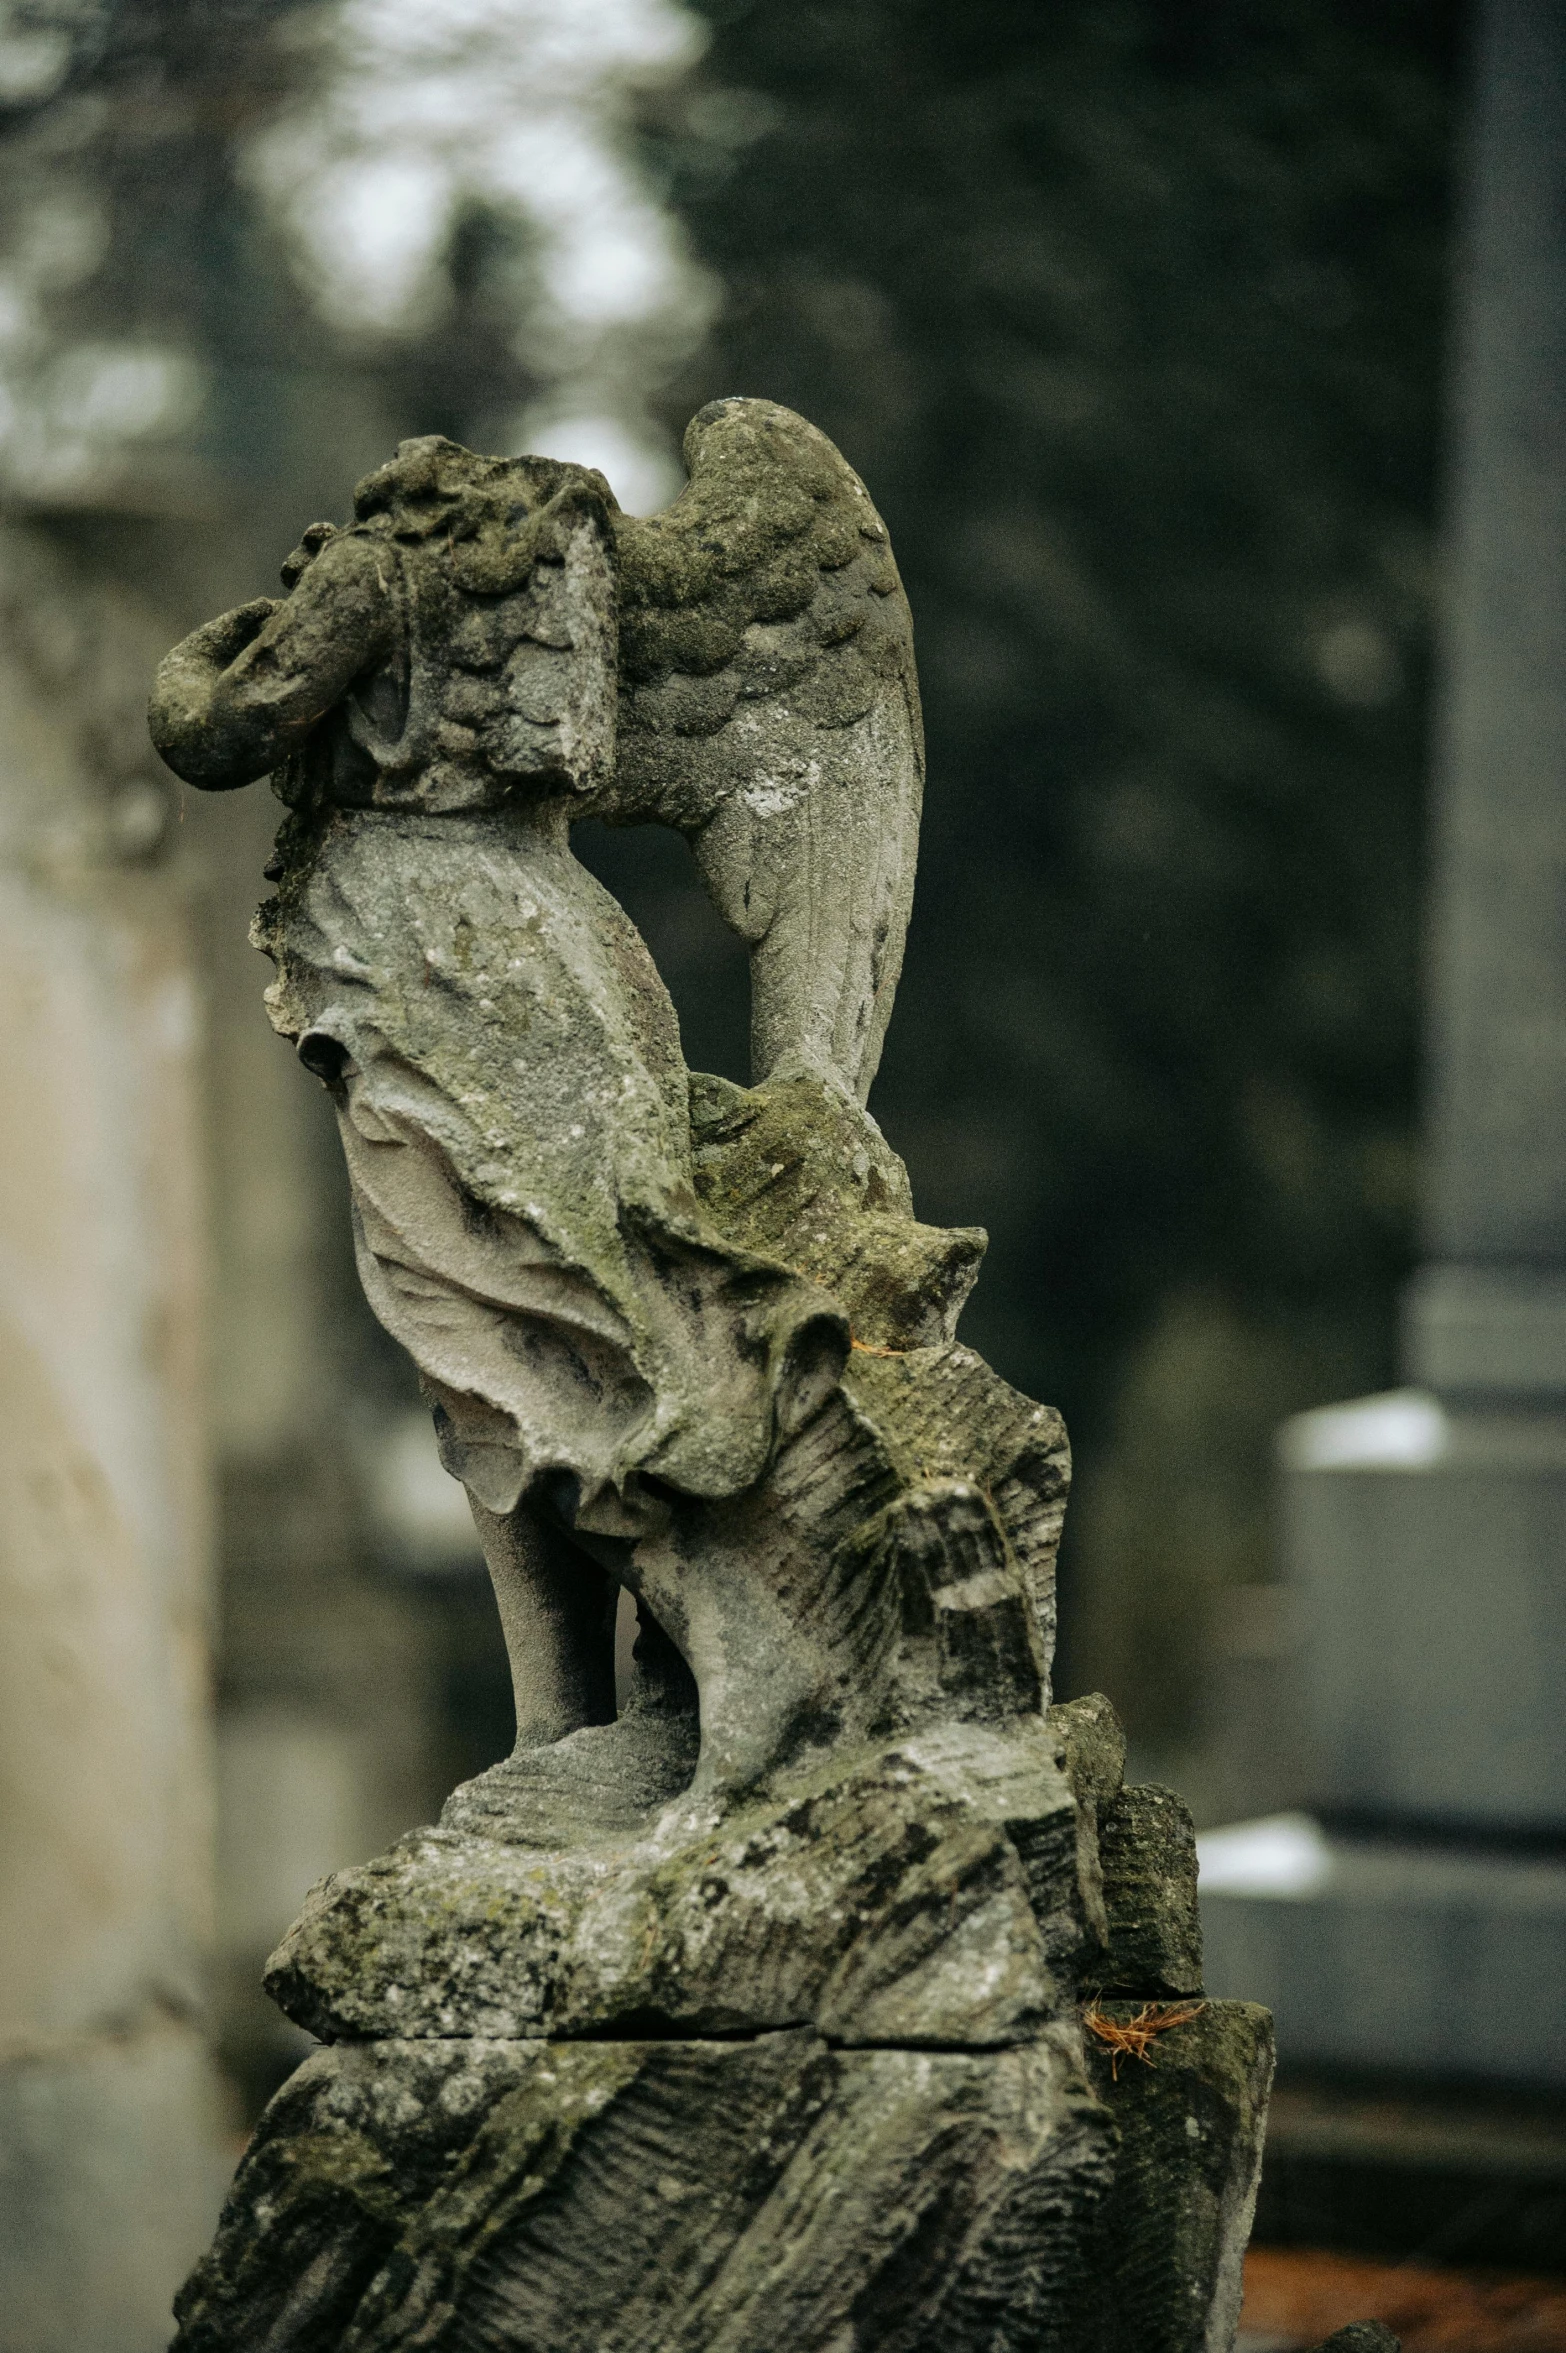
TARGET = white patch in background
x,y
408,113
643,474
1358,662
67,407
522,106
1285,1856
420,1511
1402,1429
33,58
97,392
373,226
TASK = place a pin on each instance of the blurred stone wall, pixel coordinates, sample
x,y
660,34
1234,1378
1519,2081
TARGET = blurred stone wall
x,y
110,2149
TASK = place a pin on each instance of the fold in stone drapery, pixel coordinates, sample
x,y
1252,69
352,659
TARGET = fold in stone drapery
x,y
513,1109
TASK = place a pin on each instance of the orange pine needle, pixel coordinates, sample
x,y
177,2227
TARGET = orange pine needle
x,y
1132,2037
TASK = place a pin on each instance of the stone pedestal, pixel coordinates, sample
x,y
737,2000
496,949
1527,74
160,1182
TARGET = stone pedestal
x,y
813,2073
718,2196
1424,1543
1420,1921
1393,1954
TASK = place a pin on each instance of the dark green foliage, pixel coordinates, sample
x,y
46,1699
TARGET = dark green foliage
x,y
1130,316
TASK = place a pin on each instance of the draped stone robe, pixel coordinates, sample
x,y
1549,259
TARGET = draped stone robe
x,y
504,1059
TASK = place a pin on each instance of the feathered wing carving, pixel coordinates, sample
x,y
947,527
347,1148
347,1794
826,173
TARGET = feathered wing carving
x,y
769,711
751,649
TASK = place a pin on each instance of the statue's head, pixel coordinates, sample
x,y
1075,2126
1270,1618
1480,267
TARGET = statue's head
x,y
435,485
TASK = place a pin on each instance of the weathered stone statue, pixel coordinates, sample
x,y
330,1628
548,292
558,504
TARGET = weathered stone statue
x,y
834,1994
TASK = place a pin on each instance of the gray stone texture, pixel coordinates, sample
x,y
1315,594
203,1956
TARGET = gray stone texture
x,y
924,1894
772,2189
928,2159
658,2195
1165,2253
1147,1849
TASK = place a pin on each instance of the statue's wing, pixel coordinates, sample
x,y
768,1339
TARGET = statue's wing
x,y
769,711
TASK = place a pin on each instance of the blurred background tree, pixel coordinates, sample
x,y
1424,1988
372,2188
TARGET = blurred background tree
x,y
1130,313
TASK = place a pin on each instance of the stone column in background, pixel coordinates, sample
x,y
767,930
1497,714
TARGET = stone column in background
x,y
110,2139
1418,1919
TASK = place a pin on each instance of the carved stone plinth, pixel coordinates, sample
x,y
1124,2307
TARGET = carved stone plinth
x,y
532,2137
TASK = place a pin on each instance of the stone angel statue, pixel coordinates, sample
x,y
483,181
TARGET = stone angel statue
x,y
488,650
782,2006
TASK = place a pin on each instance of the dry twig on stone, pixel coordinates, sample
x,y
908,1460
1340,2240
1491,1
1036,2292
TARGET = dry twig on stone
x,y
1133,2037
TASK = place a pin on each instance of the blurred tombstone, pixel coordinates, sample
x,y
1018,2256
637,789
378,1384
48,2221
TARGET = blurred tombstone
x,y
1417,1919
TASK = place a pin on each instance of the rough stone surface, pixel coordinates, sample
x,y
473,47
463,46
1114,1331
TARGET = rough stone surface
x,y
677,2196
747,2014
924,1894
1163,2270
671,2197
1147,1851
1090,1750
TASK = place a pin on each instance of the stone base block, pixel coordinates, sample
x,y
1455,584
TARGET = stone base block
x,y
766,2193
1382,1954
1163,2260
931,1890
